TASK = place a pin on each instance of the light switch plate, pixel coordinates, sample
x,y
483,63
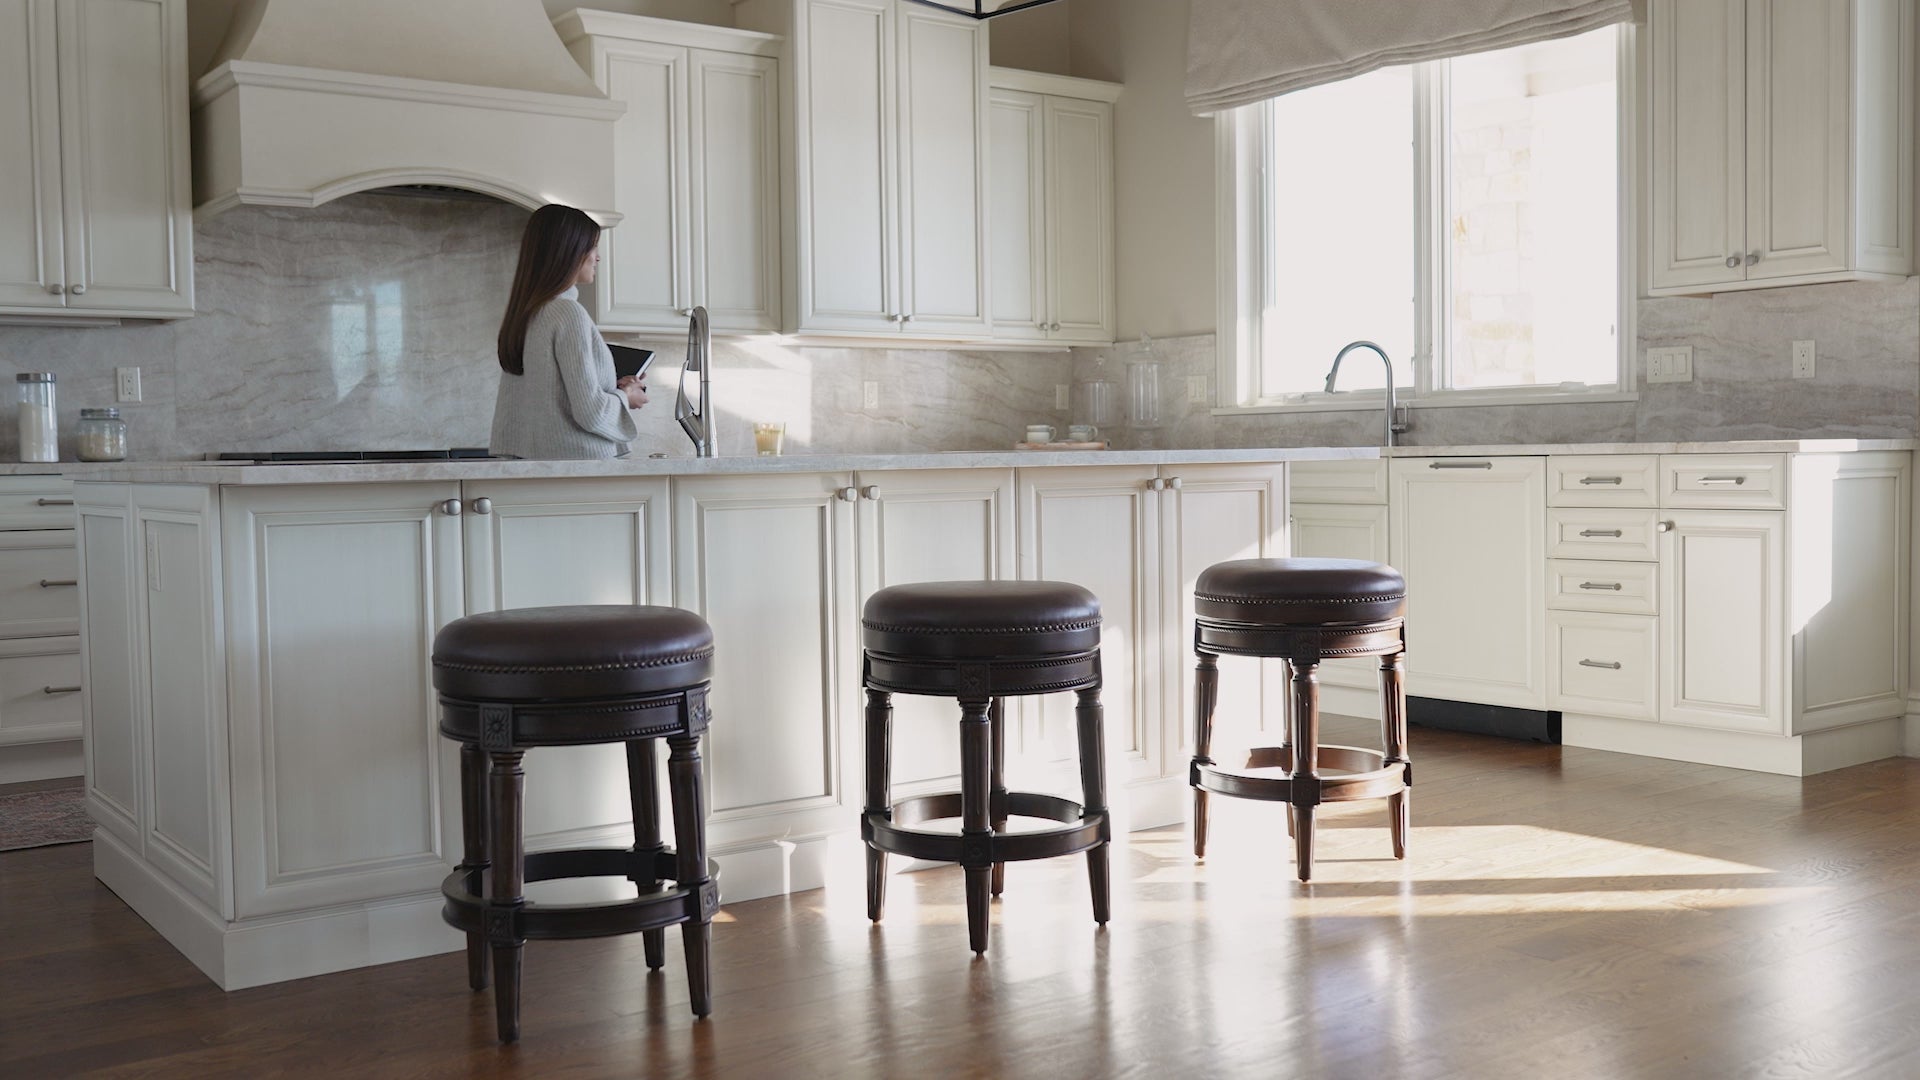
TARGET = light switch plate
x,y
870,395
1060,395
1196,389
1670,364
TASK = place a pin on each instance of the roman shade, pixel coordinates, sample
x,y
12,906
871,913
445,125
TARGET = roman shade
x,y
1243,51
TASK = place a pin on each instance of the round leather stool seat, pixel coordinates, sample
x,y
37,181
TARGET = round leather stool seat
x,y
584,652
1300,592
954,620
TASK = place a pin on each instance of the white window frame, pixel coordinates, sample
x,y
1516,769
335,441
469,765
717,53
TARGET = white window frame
x,y
1245,258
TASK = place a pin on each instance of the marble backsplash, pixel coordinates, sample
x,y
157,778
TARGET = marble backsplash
x,y
1868,338
368,323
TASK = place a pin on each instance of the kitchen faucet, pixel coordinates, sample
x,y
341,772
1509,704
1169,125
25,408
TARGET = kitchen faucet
x,y
696,416
1393,424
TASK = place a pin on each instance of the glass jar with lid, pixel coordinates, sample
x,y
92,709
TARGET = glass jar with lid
x,y
101,435
39,432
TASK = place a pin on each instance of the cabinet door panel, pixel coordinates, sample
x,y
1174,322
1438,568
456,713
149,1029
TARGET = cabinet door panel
x,y
186,693
1604,664
110,708
1335,531
1471,542
30,210
1799,137
1080,218
845,145
1018,184
736,189
942,102
39,575
34,707
1697,212
1723,636
643,279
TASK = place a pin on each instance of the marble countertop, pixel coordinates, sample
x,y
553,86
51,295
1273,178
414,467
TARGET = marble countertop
x,y
228,473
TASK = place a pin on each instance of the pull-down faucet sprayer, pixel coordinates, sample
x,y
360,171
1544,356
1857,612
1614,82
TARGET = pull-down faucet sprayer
x,y
1393,424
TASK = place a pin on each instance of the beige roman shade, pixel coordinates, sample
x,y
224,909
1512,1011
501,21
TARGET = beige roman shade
x,y
1243,51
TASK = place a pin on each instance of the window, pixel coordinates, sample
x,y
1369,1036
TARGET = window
x,y
1466,215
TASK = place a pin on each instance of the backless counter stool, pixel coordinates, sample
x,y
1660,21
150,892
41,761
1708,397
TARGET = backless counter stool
x,y
1306,611
980,642
569,676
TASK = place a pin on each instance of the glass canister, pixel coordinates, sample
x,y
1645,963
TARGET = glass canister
x,y
1099,398
1143,385
101,436
39,428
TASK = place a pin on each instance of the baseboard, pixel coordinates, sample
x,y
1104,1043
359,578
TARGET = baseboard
x,y
1910,728
1799,755
26,762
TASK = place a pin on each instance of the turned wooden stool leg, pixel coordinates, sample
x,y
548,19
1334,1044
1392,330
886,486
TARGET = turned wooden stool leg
x,y
690,864
1304,777
1393,717
506,782
473,857
976,754
1090,718
997,784
879,792
643,789
1206,695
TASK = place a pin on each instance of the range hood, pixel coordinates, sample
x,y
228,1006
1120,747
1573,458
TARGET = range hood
x,y
309,100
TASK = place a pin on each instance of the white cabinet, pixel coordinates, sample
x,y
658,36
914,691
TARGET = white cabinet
x,y
1781,141
1338,510
40,697
1469,535
886,109
95,204
696,172
1725,620
1051,156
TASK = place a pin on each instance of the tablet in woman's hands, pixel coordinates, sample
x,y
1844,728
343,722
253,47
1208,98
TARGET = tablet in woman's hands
x,y
630,361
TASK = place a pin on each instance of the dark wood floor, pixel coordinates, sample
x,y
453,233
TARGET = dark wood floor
x,y
1562,913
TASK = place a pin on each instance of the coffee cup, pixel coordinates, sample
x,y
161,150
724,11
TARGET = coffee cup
x,y
1039,433
1082,433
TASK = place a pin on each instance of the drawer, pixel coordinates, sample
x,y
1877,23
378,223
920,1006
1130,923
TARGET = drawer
x,y
1603,664
1575,532
36,502
38,591
39,690
1606,480
1362,481
1627,588
1724,481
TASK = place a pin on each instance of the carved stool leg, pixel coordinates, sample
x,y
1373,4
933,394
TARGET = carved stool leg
x,y
507,782
879,792
1090,719
690,865
1206,695
976,824
644,791
1393,714
997,784
473,857
1304,777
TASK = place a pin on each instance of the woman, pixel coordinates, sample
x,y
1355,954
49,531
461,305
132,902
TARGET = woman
x,y
558,394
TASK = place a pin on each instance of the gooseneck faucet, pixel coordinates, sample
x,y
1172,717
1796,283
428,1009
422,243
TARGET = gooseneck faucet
x,y
1392,426
696,415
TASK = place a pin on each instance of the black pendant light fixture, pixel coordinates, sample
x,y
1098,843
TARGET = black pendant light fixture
x,y
981,9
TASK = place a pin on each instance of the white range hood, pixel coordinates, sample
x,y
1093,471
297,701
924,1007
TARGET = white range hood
x,y
310,100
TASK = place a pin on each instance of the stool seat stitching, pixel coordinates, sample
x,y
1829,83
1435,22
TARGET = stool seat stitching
x,y
1035,628
531,669
1377,598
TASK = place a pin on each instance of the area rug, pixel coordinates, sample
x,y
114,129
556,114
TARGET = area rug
x,y
39,818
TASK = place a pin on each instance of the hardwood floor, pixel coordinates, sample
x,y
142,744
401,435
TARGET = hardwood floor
x,y
1562,913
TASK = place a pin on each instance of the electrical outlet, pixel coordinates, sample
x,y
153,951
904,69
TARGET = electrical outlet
x,y
1670,364
1196,389
126,383
870,395
1060,396
1803,359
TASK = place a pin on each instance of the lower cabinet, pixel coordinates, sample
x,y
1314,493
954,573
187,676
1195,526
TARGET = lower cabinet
x,y
40,708
1353,527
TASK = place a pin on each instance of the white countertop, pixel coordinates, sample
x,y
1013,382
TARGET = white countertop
x,y
225,473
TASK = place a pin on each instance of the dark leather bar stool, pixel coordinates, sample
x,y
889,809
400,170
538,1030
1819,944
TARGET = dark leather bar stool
x,y
981,642
1306,611
570,676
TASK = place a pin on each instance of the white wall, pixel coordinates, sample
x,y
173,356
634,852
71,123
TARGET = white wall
x,y
1037,39
712,12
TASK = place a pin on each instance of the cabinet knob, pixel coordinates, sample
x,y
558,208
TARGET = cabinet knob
x,y
483,505
451,508
1156,484
1173,482
685,312
76,290
1663,526
56,288
1733,261
871,492
847,494
1753,258
906,318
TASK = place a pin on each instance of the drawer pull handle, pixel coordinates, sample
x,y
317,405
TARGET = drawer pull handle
x,y
1609,586
53,502
1734,480
45,584
59,689
1610,665
1460,465
1601,480
1600,532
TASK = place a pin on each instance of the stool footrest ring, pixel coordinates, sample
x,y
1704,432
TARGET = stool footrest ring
x,y
1365,774
1081,829
668,904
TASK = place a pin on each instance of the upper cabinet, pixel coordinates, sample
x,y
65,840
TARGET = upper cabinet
x,y
95,191
1051,153
696,172
1781,142
885,107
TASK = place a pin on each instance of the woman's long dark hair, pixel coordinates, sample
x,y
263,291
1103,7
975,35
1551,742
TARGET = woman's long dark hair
x,y
557,239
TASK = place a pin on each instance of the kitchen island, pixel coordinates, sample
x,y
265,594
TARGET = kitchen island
x,y
262,757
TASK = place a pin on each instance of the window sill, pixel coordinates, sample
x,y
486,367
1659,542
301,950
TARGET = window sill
x,y
1372,401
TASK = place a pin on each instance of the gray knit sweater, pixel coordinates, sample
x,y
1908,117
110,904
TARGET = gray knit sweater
x,y
564,405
